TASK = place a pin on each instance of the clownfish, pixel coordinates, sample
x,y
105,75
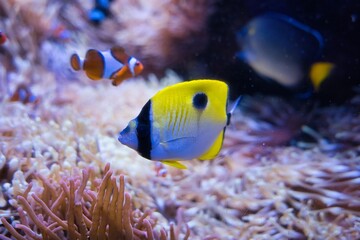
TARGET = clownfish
x,y
282,49
181,122
2,38
113,64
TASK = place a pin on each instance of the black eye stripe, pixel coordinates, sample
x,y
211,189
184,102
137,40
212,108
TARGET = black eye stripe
x,y
200,100
143,130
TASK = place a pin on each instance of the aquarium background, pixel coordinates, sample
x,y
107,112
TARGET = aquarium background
x,y
289,166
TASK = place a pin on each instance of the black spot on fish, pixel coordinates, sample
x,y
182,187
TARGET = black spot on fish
x,y
143,130
200,101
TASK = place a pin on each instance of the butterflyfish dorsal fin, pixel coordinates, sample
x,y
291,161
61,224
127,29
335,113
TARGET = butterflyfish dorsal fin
x,y
119,54
94,64
175,164
213,151
229,114
75,62
319,72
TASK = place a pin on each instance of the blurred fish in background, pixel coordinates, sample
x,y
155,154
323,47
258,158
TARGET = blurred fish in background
x,y
336,23
282,49
100,11
24,95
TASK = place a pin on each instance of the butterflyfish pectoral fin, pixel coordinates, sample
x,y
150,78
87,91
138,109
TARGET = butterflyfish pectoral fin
x,y
175,164
319,72
213,151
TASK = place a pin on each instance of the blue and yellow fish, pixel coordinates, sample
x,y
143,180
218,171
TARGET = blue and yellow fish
x,y
280,48
113,64
181,122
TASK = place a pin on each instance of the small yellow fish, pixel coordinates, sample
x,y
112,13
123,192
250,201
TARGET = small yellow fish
x,y
113,64
181,122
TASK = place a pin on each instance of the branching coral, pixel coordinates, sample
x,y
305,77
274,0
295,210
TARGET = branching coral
x,y
74,209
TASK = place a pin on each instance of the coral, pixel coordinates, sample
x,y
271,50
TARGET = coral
x,y
250,190
78,209
296,194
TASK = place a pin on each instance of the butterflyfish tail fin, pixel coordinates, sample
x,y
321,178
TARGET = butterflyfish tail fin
x,y
319,72
94,64
76,62
234,106
175,164
214,150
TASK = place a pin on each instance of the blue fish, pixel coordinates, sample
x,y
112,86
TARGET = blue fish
x,y
283,49
100,11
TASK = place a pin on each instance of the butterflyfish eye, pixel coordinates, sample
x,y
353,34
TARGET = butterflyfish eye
x,y
200,101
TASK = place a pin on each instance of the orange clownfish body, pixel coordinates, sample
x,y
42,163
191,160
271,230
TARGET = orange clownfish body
x,y
113,64
2,38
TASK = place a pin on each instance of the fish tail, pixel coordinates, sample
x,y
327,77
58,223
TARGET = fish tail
x,y
76,62
319,72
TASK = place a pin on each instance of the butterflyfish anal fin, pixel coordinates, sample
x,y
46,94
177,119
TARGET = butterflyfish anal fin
x,y
319,72
213,151
94,64
175,164
75,62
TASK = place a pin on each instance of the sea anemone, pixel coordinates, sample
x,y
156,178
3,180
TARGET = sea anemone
x,y
82,207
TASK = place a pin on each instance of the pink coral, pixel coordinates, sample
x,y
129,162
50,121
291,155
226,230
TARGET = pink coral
x,y
74,211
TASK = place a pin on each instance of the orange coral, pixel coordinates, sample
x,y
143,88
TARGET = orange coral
x,y
73,211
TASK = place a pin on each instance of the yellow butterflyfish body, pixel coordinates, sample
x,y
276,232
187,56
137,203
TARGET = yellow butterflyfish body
x,y
181,122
